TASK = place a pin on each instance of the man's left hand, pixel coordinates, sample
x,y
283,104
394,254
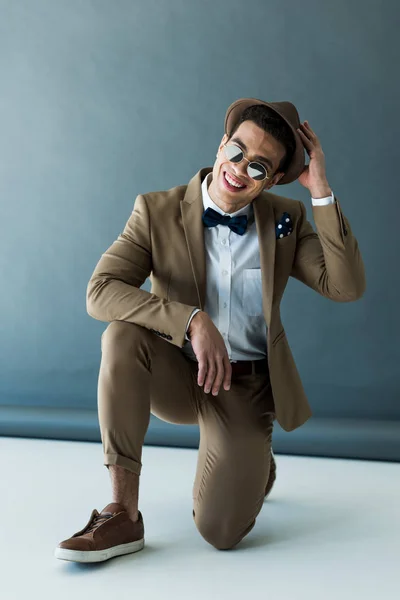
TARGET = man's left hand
x,y
313,176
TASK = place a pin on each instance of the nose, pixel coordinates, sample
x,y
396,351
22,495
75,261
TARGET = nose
x,y
240,170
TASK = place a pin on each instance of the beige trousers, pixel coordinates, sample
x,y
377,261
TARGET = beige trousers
x,y
142,373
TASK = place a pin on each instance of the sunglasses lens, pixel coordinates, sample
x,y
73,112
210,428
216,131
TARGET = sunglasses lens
x,y
257,171
233,153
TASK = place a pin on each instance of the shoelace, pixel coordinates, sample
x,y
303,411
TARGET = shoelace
x,y
99,520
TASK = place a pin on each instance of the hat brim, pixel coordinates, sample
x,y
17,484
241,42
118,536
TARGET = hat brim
x,y
297,163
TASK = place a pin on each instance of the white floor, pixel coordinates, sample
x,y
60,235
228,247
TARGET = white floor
x,y
329,530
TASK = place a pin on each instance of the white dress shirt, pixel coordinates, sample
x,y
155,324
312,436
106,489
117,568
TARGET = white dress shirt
x,y
233,288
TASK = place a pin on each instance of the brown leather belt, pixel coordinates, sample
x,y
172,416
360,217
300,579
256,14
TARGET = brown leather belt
x,y
249,367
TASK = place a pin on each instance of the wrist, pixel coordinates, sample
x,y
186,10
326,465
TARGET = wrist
x,y
320,191
193,323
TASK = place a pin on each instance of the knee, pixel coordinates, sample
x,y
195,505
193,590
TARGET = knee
x,y
219,532
122,333
121,339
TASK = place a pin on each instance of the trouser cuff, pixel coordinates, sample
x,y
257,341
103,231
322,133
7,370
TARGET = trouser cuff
x,y
122,461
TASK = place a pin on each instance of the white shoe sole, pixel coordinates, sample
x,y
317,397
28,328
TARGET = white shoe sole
x,y
89,556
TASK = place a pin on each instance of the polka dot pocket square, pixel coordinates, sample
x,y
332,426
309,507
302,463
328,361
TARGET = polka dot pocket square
x,y
284,226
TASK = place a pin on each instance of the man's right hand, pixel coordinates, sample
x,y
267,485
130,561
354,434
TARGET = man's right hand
x,y
210,350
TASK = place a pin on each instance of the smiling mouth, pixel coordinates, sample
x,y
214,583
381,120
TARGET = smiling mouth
x,y
232,182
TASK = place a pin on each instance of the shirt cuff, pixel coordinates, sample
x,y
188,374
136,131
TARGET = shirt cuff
x,y
196,310
323,201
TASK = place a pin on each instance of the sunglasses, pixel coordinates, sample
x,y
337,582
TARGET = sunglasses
x,y
255,170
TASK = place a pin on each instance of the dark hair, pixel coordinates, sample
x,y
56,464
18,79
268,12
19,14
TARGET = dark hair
x,y
272,123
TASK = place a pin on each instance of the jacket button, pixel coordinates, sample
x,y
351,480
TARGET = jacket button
x,y
344,230
164,335
169,337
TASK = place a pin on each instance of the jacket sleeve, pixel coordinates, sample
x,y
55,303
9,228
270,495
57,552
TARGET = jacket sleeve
x,y
329,261
113,292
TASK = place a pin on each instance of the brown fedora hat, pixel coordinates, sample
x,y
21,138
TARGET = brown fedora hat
x,y
289,113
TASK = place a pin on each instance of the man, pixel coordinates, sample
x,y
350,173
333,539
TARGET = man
x,y
207,345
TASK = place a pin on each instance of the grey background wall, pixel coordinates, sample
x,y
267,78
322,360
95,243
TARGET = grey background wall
x,y
101,101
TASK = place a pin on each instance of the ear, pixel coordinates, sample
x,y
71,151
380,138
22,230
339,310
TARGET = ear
x,y
274,181
223,141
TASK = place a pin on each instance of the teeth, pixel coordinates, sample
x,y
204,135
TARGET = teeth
x,y
229,180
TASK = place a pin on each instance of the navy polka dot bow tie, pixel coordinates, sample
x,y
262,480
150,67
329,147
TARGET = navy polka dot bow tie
x,y
211,218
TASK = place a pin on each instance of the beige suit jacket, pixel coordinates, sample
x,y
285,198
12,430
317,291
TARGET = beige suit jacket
x,y
164,240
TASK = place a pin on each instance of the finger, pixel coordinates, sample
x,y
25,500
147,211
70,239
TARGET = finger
x,y
305,139
308,131
307,124
228,373
219,377
311,141
305,131
211,372
202,371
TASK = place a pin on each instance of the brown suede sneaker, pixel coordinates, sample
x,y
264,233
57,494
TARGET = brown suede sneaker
x,y
272,476
108,534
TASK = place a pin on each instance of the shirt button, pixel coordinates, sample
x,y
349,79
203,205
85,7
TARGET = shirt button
x,y
224,272
225,305
223,241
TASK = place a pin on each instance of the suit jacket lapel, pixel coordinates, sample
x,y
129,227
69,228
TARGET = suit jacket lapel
x,y
265,224
192,211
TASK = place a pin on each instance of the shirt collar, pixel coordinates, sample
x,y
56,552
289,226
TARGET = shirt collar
x,y
208,203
